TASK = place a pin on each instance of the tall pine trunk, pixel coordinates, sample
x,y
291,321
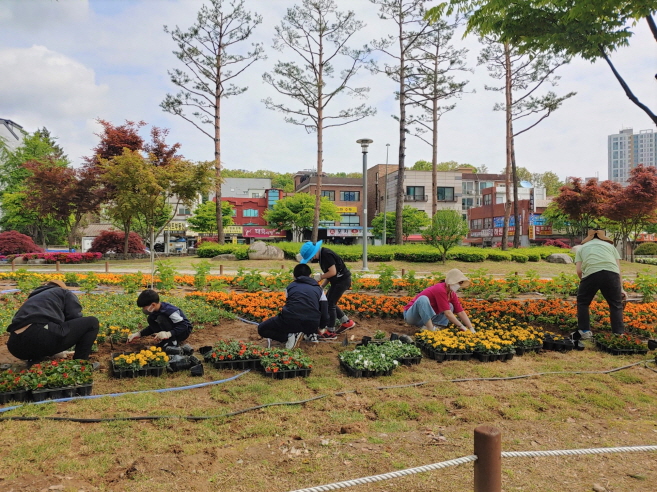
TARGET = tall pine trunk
x,y
399,238
217,156
320,141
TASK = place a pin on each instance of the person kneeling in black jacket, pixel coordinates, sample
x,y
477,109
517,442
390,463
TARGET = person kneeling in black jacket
x,y
50,321
306,309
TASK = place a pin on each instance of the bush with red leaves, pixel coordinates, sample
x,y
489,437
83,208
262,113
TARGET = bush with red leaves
x,y
556,242
13,242
113,241
207,240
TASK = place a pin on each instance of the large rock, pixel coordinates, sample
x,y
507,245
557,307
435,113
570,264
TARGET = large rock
x,y
263,251
559,258
226,257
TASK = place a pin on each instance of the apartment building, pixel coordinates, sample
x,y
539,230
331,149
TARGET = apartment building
x,y
627,150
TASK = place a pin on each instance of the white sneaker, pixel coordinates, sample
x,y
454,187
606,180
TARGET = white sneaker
x,y
312,338
293,340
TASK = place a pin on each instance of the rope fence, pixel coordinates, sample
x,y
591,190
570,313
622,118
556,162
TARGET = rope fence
x,y
487,460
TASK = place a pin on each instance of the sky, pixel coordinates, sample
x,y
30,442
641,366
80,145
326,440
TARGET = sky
x,y
66,63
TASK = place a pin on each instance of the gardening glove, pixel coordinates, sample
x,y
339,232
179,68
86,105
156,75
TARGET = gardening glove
x,y
132,336
318,277
163,335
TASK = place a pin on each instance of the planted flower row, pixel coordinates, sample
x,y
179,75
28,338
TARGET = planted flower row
x,y
61,257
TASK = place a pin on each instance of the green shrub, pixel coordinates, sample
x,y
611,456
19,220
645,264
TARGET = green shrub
x,y
498,255
519,257
533,256
467,254
646,249
210,250
167,274
381,253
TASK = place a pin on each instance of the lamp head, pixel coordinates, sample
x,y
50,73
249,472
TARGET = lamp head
x,y
364,143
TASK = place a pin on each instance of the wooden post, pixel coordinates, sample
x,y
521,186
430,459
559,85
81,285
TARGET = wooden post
x,y
403,272
56,266
282,267
221,269
488,467
13,265
107,267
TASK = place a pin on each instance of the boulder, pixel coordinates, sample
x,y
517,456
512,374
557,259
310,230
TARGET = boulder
x,y
263,251
36,261
559,258
226,257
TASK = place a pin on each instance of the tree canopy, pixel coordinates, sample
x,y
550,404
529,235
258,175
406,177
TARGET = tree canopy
x,y
295,213
413,221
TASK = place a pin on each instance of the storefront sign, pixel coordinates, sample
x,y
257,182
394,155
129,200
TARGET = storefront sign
x,y
261,232
176,226
346,232
347,210
497,231
233,229
482,233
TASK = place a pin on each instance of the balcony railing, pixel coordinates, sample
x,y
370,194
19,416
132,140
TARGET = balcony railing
x,y
416,198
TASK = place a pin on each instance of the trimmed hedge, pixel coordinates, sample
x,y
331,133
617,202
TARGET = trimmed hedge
x,y
646,249
210,250
499,255
519,257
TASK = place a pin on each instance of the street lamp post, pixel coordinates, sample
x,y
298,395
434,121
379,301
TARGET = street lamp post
x,y
364,143
385,200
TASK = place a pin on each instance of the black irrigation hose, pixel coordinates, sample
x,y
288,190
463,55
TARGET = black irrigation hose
x,y
301,402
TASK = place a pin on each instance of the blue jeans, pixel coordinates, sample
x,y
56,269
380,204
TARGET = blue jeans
x,y
421,312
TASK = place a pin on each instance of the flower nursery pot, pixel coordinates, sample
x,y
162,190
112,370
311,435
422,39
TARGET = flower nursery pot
x,y
467,356
548,345
17,396
483,357
394,336
84,390
520,351
366,340
652,344
46,394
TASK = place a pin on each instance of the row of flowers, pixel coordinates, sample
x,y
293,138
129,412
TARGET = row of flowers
x,y
271,360
482,285
53,374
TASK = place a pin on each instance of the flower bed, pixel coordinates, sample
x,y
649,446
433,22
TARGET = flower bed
x,y
148,362
284,363
233,354
620,344
54,379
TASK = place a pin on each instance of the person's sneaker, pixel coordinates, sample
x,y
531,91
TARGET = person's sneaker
x,y
311,338
347,325
293,340
581,335
327,335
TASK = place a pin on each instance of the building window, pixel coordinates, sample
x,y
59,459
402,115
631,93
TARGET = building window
x,y
488,199
250,212
350,196
467,203
349,220
272,197
476,224
488,222
184,211
445,194
329,194
415,193
255,195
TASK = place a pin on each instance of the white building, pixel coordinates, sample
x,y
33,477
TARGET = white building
x,y
627,150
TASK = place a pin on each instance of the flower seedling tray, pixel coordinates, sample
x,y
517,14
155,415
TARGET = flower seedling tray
x,y
433,354
295,373
410,361
120,373
525,350
56,393
363,373
236,364
616,351
18,396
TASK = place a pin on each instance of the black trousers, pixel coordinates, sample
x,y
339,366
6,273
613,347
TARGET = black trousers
x,y
36,342
278,328
165,324
337,287
609,284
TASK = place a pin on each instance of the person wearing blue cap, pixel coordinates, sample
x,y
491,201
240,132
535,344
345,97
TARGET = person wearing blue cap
x,y
338,277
